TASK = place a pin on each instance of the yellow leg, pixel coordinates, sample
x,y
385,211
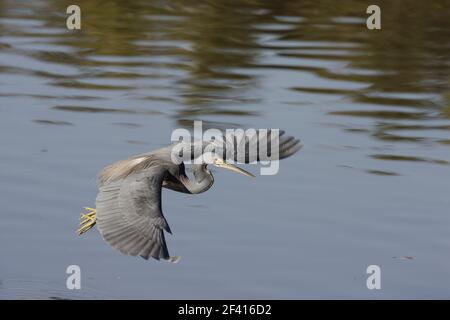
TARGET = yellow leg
x,y
87,220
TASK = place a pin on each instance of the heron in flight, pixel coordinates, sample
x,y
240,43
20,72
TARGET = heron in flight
x,y
128,209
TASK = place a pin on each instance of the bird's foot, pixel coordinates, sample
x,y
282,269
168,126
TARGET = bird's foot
x,y
88,219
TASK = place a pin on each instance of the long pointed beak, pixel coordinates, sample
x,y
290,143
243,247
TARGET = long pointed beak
x,y
221,164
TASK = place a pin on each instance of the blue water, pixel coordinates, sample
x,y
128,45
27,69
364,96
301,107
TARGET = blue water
x,y
370,186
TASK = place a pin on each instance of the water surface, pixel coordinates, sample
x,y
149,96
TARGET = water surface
x,y
371,185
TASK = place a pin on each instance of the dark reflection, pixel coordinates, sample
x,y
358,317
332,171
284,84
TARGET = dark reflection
x,y
392,157
221,38
382,114
376,172
382,173
126,124
207,59
53,122
365,97
90,109
18,95
102,110
90,86
137,142
397,138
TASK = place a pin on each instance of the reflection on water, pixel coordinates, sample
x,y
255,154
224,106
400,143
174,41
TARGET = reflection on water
x,y
376,102
208,57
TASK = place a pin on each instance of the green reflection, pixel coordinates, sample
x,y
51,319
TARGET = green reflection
x,y
201,56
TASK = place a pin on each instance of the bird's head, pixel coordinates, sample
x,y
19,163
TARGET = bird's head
x,y
217,161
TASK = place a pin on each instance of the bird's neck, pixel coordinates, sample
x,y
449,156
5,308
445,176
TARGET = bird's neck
x,y
203,180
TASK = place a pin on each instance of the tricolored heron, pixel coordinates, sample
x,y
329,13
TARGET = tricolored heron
x,y
128,209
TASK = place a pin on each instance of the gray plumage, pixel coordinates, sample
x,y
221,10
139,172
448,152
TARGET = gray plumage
x,y
129,208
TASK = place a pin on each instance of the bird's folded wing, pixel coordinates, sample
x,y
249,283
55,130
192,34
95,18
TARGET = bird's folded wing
x,y
129,215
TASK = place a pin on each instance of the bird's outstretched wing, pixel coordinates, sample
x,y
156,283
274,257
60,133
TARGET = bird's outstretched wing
x,y
129,215
256,145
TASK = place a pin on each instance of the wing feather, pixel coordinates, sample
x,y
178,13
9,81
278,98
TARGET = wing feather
x,y
258,141
129,215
